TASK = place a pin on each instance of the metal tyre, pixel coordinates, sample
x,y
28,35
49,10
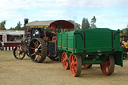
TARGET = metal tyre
x,y
37,50
65,61
108,66
18,52
75,65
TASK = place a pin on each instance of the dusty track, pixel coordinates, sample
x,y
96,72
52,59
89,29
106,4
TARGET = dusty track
x,y
26,72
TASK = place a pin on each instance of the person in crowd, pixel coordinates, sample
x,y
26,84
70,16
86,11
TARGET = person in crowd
x,y
125,49
2,44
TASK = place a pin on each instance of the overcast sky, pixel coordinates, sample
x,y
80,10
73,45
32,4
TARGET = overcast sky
x,y
109,13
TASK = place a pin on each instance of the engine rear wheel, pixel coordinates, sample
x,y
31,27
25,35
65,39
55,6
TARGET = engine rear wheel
x,y
18,52
108,66
37,50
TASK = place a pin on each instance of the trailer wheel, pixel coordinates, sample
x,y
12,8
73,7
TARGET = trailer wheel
x,y
87,65
75,65
37,50
65,61
108,66
18,52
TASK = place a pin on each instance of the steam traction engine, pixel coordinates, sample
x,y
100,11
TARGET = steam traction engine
x,y
41,40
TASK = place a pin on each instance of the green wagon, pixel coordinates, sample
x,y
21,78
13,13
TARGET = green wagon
x,y
91,46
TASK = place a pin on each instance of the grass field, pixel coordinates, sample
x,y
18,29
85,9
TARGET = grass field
x,y
26,72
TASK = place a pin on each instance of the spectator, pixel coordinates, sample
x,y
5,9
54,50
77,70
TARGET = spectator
x,y
125,48
2,43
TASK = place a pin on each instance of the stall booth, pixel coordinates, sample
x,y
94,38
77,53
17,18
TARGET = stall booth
x,y
11,38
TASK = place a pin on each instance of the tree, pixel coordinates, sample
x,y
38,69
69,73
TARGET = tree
x,y
12,28
87,24
93,21
18,27
125,30
2,25
83,24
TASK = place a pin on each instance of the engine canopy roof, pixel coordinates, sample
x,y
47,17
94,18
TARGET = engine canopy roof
x,y
51,24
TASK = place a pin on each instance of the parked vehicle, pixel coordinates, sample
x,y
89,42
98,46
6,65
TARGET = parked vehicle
x,y
92,46
40,42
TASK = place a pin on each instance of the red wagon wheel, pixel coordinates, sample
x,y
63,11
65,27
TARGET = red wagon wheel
x,y
65,61
75,65
87,65
108,66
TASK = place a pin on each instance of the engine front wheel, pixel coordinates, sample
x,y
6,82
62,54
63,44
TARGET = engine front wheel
x,y
37,50
18,52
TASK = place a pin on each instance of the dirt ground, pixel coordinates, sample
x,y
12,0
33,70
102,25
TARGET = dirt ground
x,y
26,72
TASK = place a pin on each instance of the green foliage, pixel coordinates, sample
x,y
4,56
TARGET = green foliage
x,y
93,21
2,25
83,24
125,31
18,27
87,24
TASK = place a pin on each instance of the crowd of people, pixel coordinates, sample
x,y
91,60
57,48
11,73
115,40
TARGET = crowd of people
x,y
124,45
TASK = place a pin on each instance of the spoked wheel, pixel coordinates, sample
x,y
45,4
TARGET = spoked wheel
x,y
87,65
37,50
108,66
75,65
65,61
18,52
